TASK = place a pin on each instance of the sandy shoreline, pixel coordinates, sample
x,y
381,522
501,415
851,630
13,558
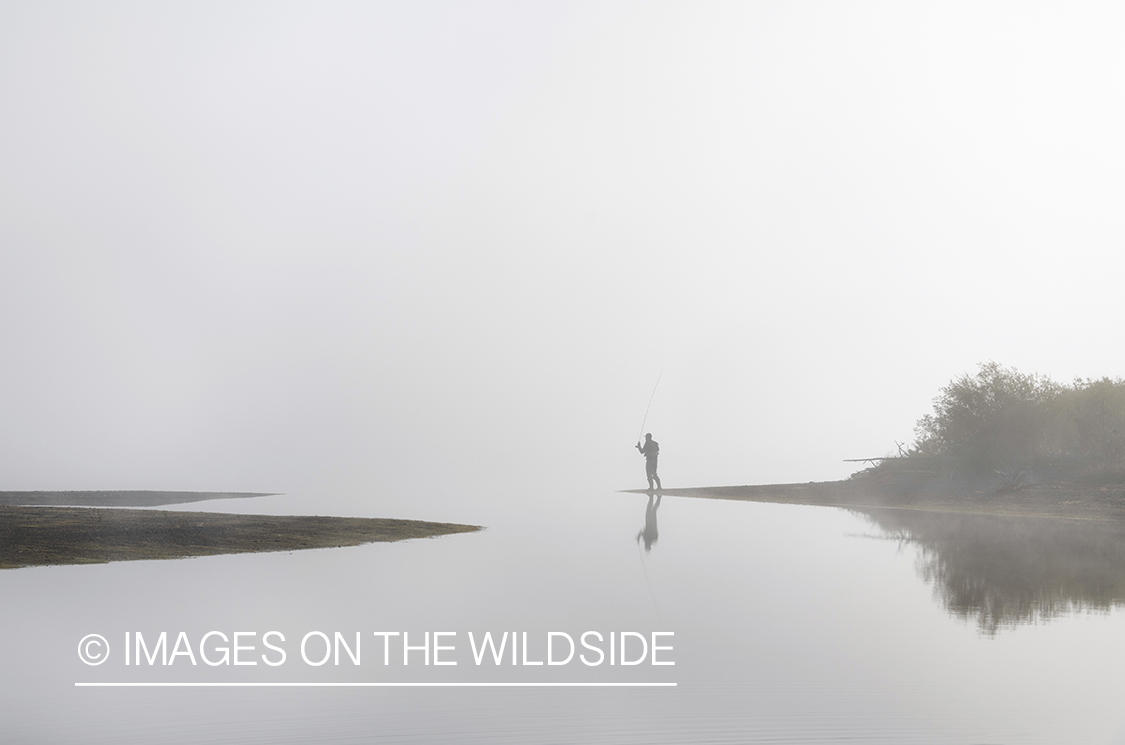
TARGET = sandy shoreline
x,y
119,498
1063,500
40,535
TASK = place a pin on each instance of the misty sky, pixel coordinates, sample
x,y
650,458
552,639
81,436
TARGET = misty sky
x,y
417,246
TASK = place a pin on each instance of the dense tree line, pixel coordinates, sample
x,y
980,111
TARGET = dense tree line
x,y
1001,418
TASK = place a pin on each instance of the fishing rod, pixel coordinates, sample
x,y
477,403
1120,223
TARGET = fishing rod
x,y
658,377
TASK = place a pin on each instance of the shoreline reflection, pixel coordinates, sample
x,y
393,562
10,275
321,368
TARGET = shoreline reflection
x,y
650,532
1003,572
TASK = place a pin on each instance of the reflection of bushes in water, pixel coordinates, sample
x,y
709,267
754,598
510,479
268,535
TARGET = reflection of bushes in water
x,y
1005,571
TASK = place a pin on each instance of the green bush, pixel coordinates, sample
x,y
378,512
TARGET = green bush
x,y
1001,418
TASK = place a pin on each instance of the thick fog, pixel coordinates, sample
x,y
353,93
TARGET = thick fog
x,y
409,248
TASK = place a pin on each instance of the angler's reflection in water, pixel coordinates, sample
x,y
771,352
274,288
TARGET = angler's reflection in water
x,y
1006,571
649,532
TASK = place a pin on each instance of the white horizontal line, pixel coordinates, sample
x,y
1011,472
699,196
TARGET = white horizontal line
x,y
375,685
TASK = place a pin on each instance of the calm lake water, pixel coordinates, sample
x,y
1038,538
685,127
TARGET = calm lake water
x,y
792,624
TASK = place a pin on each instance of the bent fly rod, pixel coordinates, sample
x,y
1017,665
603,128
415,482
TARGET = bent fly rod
x,y
658,377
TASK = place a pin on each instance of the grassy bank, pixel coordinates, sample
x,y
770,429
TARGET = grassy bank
x,y
999,442
36,535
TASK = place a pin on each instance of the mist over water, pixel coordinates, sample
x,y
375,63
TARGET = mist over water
x,y
790,622
376,248
428,260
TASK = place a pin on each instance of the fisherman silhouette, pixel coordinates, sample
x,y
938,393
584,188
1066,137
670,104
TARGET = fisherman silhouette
x,y
649,531
650,451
